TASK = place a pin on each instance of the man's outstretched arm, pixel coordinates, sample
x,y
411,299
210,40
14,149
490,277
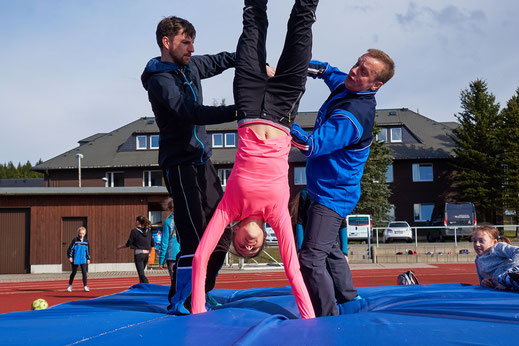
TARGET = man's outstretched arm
x,y
212,65
166,93
332,76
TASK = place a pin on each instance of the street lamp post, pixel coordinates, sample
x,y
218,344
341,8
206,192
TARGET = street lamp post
x,y
79,157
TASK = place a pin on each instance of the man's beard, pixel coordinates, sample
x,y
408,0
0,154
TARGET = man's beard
x,y
179,60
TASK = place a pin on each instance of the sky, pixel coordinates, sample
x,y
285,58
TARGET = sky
x,y
70,69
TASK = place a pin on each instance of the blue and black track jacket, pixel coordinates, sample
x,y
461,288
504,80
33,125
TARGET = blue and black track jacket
x,y
79,250
338,148
175,94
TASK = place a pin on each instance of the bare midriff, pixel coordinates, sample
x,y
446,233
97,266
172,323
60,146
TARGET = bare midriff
x,y
265,131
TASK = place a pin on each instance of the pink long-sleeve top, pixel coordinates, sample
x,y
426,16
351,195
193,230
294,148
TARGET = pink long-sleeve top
x,y
257,188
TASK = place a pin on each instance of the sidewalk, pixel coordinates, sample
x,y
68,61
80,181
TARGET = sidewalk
x,y
163,272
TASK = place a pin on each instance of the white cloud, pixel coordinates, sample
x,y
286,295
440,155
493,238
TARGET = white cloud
x,y
450,16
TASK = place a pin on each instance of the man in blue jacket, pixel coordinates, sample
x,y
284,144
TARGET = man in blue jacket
x,y
175,93
336,152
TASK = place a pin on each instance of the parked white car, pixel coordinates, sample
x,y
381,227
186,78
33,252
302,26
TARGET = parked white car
x,y
359,227
271,236
398,230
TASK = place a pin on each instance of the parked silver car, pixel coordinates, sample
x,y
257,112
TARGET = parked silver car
x,y
398,230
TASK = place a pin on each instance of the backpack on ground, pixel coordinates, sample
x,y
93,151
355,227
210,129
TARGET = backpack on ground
x,y
407,278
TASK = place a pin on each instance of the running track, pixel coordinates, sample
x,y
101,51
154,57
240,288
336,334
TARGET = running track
x,y
18,296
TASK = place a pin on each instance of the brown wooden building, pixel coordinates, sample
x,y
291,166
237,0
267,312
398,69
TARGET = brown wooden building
x,y
38,224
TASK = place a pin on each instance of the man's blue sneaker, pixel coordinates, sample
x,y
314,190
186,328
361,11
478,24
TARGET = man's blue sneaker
x,y
181,301
210,302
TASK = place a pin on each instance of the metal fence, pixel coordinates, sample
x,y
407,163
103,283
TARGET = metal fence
x,y
426,229
254,263
419,233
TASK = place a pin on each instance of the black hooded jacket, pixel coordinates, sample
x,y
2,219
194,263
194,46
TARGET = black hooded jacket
x,y
175,94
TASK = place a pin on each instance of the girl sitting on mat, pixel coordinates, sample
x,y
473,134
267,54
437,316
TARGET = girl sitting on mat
x,y
497,261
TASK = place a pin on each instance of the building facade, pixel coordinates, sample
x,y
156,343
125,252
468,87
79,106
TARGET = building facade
x,y
110,178
38,224
419,177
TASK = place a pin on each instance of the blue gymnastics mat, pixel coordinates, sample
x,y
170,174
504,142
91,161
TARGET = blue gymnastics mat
x,y
443,314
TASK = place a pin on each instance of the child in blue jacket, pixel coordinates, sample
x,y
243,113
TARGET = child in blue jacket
x,y
78,254
497,261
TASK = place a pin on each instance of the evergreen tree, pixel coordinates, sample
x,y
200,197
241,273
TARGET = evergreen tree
x,y
9,171
510,139
477,159
374,198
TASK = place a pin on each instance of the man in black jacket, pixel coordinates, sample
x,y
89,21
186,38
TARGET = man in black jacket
x,y
175,93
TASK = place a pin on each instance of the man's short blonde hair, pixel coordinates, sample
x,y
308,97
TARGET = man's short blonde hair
x,y
389,70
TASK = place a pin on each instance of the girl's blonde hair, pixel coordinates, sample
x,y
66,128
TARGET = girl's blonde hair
x,y
81,229
492,232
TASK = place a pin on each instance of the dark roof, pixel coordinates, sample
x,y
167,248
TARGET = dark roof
x,y
91,138
432,137
451,124
104,150
152,190
24,182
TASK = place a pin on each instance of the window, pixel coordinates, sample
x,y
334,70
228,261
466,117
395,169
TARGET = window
x,y
396,135
422,212
299,175
391,213
227,140
224,174
152,178
154,141
217,140
141,142
230,139
114,179
422,172
389,174
382,135
155,216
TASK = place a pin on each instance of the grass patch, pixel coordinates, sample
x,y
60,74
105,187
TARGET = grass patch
x,y
511,235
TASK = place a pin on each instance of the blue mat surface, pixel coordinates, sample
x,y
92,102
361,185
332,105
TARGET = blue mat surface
x,y
423,314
